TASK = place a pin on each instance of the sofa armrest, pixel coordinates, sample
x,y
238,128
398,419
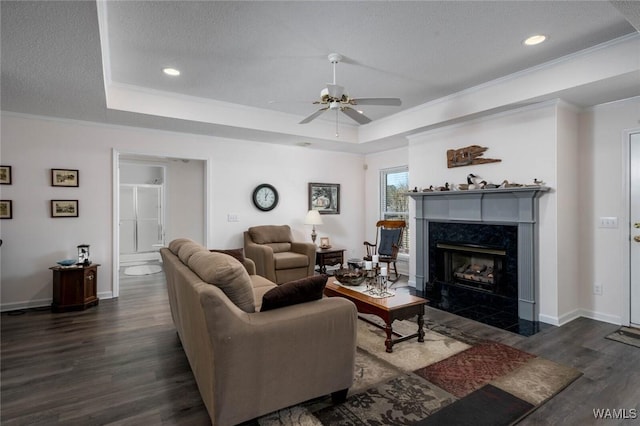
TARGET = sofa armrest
x,y
309,250
308,349
262,256
249,265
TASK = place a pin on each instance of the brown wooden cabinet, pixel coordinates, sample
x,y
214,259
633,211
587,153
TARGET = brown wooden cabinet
x,y
329,257
74,288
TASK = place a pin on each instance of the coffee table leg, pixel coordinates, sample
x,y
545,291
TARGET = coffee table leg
x,y
389,342
420,327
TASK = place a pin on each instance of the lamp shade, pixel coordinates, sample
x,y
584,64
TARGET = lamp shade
x,y
313,218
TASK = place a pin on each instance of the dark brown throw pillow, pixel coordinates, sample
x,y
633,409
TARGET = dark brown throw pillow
x,y
237,253
294,292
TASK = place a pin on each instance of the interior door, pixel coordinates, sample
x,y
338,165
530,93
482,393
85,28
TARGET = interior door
x,y
634,213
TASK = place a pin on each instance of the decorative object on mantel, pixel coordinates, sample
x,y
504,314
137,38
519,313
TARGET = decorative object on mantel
x,y
471,183
507,184
467,156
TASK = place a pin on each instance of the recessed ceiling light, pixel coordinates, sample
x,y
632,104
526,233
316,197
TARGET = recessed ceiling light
x,y
534,39
171,71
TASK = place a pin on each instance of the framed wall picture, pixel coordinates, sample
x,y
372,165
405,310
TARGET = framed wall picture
x,y
5,175
324,197
65,177
6,209
64,208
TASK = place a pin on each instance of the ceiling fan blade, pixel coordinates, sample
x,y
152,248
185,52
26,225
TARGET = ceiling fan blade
x,y
335,90
376,101
355,115
313,116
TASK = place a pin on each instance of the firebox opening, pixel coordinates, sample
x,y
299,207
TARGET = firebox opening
x,y
470,265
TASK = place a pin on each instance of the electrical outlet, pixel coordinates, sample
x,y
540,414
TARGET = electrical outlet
x,y
597,289
233,218
608,222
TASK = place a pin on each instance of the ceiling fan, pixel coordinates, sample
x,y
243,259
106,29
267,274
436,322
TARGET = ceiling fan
x,y
336,99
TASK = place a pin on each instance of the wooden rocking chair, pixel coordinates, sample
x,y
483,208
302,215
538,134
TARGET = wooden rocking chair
x,y
388,243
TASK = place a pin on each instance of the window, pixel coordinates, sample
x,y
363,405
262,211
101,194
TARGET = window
x,y
394,204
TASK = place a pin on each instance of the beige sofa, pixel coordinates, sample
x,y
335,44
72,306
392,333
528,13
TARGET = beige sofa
x,y
276,255
248,363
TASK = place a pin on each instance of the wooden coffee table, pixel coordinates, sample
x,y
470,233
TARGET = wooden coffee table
x,y
399,307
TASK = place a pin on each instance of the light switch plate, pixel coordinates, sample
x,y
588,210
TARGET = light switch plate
x,y
608,222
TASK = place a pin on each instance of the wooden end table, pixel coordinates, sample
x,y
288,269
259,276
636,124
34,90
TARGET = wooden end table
x,y
75,287
329,257
399,307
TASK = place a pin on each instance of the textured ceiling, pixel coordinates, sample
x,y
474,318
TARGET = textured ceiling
x,y
273,55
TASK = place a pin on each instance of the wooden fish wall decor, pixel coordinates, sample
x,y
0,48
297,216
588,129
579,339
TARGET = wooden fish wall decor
x,y
468,156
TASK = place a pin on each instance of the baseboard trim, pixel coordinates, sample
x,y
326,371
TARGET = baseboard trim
x,y
41,303
611,319
577,313
27,304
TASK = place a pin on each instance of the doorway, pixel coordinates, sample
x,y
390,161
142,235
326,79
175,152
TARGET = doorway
x,y
634,216
156,199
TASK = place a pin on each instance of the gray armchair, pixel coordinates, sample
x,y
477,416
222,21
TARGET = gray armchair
x,y
277,257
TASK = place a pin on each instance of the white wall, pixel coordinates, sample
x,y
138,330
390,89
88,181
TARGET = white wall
x,y
33,241
603,193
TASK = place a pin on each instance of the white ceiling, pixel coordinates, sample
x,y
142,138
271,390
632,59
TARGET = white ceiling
x,y
265,62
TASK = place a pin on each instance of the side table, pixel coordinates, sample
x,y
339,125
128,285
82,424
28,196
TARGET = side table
x,y
74,287
329,257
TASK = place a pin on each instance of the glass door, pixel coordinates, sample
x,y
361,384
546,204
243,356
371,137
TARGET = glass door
x,y
141,218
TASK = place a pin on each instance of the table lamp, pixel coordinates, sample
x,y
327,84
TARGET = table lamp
x,y
313,218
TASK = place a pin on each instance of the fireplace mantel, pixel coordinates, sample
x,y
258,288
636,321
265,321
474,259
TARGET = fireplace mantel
x,y
516,206
482,205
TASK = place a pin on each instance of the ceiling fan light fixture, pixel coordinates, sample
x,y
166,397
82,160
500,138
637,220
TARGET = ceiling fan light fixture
x,y
534,40
173,72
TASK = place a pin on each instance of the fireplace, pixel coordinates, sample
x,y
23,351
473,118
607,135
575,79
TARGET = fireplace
x,y
502,223
476,256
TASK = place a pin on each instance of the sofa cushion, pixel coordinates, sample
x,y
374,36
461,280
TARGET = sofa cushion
x,y
226,273
235,253
294,292
188,249
267,234
290,260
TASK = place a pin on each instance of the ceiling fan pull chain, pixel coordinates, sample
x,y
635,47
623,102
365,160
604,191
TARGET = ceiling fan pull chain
x,y
337,134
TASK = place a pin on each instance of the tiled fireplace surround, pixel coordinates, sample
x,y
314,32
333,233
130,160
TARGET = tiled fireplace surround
x,y
488,215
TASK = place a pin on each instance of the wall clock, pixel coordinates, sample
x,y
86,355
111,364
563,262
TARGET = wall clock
x,y
265,197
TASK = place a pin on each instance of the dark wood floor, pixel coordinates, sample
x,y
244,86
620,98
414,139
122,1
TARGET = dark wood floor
x,y
121,363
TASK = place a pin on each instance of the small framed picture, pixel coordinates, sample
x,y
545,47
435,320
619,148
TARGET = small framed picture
x,y
6,209
324,197
324,243
64,208
5,175
65,177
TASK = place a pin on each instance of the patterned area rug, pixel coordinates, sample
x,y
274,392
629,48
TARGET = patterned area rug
x,y
451,378
629,336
